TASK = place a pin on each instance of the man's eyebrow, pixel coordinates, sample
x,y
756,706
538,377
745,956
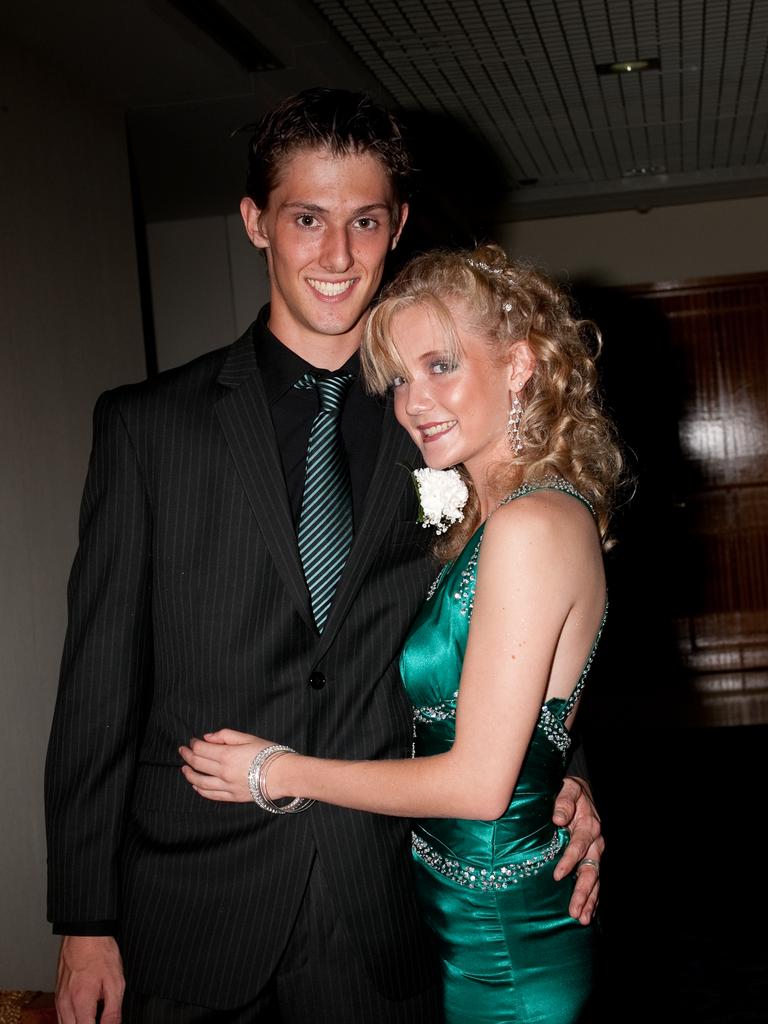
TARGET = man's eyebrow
x,y
316,208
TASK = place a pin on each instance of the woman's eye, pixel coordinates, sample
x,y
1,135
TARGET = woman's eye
x,y
397,381
443,366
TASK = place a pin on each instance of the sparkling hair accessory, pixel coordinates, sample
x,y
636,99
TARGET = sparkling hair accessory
x,y
479,265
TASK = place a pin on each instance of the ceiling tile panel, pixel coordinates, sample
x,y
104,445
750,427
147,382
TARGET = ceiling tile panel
x,y
596,19
622,30
525,75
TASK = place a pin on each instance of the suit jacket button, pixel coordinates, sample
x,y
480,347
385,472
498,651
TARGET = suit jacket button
x,y
317,680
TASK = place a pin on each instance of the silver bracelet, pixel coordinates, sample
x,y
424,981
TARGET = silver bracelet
x,y
257,774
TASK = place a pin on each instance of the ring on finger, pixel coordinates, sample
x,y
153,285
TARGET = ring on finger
x,y
592,863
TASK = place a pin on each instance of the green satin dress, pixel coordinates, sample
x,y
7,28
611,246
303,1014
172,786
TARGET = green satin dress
x,y
509,949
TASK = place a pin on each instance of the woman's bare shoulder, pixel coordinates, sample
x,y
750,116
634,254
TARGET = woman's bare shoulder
x,y
546,514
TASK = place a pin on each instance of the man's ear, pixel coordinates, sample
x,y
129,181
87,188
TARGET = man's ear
x,y
251,215
401,224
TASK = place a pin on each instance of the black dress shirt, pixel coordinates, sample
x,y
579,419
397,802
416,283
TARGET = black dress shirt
x,y
293,410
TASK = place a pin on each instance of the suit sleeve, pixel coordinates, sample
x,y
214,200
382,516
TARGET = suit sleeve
x,y
105,676
577,764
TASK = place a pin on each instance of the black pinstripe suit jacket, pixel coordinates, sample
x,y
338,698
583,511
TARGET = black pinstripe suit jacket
x,y
188,612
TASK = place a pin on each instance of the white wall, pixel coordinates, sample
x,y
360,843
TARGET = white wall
x,y
668,243
69,327
208,284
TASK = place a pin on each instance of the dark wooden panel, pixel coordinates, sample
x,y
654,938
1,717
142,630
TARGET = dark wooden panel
x,y
716,349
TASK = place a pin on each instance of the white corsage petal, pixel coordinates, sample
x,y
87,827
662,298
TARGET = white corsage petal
x,y
442,497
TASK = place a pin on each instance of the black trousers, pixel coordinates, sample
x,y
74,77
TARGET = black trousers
x,y
320,980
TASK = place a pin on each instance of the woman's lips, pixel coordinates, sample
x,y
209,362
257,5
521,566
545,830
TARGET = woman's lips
x,y
432,431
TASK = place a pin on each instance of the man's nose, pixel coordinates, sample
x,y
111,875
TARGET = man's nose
x,y
336,255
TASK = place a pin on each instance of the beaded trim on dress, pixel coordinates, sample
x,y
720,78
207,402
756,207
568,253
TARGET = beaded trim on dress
x,y
480,878
551,482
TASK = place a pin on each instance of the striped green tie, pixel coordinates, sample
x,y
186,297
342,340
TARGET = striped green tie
x,y
325,521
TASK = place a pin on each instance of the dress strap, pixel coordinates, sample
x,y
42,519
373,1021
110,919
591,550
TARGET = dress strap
x,y
570,704
554,714
552,482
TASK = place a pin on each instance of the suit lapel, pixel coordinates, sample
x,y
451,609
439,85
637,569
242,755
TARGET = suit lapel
x,y
390,478
243,413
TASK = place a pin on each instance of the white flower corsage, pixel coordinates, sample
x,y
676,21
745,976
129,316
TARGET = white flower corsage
x,y
442,497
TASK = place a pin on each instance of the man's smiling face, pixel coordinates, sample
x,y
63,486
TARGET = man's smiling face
x,y
326,230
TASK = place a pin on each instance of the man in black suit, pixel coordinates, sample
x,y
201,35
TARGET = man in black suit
x,y
189,610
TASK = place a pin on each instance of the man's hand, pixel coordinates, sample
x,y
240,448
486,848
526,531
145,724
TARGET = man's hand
x,y
90,970
575,811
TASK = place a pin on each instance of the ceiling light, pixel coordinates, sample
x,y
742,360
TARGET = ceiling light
x,y
625,67
643,170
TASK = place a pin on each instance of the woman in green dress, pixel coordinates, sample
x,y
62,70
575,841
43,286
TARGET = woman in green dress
x,y
494,379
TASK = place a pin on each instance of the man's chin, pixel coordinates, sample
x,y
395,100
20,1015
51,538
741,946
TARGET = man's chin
x,y
341,325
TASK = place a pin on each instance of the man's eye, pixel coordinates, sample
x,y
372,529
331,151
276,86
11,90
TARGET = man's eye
x,y
307,220
367,223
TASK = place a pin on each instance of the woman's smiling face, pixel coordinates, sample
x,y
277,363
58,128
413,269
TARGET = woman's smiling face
x,y
455,405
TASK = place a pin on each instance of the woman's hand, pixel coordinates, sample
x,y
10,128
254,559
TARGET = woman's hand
x,y
217,765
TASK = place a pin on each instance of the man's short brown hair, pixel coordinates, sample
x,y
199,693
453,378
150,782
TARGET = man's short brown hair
x,y
337,120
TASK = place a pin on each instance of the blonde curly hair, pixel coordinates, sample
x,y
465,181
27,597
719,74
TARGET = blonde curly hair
x,y
564,429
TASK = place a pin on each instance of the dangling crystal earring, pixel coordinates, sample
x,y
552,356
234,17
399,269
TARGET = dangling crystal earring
x,y
513,426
